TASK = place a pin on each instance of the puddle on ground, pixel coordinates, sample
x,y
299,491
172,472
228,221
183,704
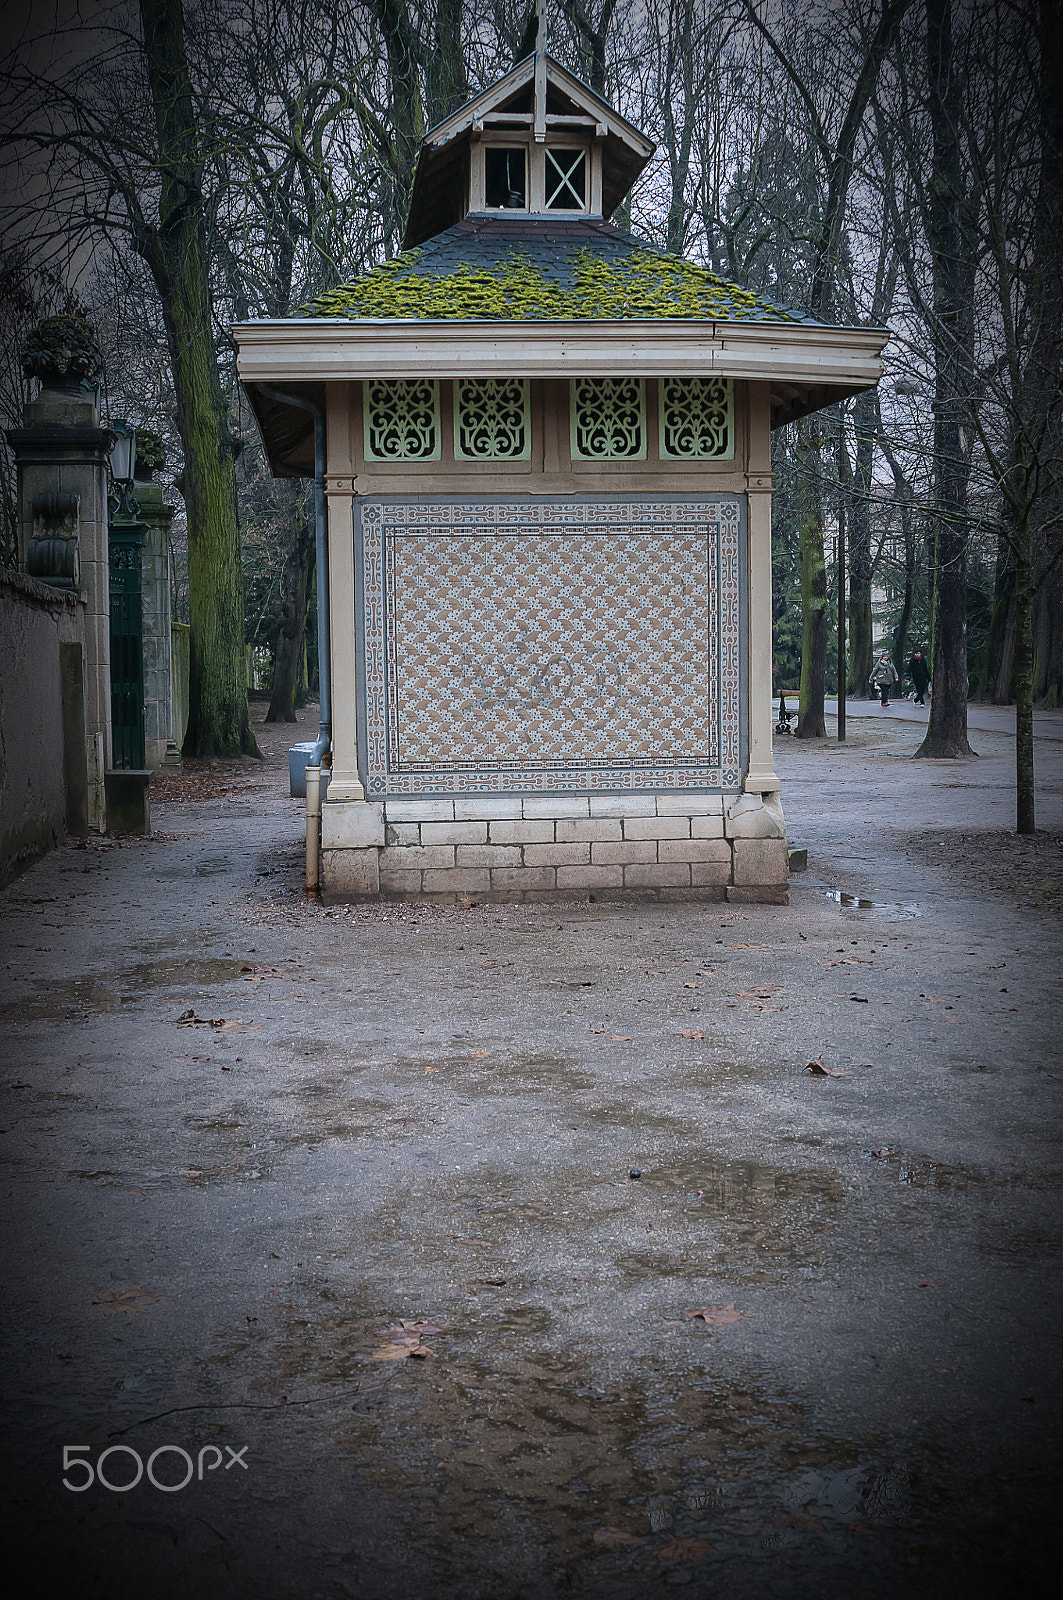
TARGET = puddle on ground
x,y
61,999
885,910
919,1172
515,1460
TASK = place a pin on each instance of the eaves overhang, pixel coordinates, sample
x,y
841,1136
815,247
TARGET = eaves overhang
x,y
323,349
807,366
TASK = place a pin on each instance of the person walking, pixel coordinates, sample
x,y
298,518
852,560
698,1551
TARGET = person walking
x,y
883,676
919,673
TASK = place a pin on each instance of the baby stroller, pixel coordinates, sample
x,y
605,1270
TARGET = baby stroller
x,y
785,717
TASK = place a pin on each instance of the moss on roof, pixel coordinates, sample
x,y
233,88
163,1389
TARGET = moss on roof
x,y
514,276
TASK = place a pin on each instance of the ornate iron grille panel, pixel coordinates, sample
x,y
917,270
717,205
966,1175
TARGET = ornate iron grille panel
x,y
491,421
608,419
696,419
518,645
401,419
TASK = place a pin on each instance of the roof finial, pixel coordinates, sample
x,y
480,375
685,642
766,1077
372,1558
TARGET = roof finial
x,y
533,36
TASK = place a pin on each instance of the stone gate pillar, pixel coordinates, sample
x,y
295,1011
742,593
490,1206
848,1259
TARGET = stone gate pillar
x,y
62,450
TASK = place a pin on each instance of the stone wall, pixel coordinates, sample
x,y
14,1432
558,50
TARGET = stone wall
x,y
650,847
43,758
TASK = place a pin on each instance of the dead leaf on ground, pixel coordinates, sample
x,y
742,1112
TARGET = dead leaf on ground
x,y
620,1038
692,1033
614,1538
189,1019
718,1316
750,947
847,961
800,1519
692,986
136,1298
493,1283
403,1339
884,1154
760,992
818,1070
693,1550
479,1055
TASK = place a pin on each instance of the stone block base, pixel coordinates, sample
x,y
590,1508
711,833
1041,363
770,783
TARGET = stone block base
x,y
604,847
128,810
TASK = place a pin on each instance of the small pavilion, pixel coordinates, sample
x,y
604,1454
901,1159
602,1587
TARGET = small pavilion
x,y
545,449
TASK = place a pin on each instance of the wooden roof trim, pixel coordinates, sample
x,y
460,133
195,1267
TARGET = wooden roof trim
x,y
525,72
782,354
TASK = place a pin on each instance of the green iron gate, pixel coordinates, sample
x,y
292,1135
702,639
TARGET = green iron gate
x,y
127,647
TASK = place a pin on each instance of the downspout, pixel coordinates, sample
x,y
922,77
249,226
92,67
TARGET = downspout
x,y
324,649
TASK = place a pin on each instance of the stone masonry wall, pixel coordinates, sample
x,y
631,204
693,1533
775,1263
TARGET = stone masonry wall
x,y
665,847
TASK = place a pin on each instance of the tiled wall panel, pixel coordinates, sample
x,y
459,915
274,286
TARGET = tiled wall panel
x,y
550,646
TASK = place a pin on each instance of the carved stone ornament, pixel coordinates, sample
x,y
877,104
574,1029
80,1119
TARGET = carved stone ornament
x,y
62,352
151,454
608,418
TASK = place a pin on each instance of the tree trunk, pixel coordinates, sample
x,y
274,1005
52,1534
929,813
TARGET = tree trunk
x,y
946,733
811,722
1023,679
291,634
218,721
861,622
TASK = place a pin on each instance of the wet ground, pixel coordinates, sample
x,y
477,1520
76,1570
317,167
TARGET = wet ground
x,y
251,1145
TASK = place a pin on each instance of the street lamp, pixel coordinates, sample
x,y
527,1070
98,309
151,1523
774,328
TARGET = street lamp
x,y
123,460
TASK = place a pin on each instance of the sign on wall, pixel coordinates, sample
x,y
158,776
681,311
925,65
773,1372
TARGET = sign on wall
x,y
549,645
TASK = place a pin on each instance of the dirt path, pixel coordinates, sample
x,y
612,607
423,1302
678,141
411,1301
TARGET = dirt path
x,y
247,1138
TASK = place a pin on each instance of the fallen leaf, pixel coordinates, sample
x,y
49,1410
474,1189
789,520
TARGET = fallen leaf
x,y
761,992
693,1550
479,1055
692,986
749,947
692,1033
818,1070
620,1038
718,1316
614,1538
135,1299
493,1283
928,1283
884,1154
800,1519
394,1352
190,1172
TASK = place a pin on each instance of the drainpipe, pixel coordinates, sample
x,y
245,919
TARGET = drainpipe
x,y
324,653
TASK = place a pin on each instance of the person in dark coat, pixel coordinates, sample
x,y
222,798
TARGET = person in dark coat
x,y
919,673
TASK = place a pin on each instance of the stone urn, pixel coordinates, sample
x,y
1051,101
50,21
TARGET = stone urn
x,y
63,354
151,455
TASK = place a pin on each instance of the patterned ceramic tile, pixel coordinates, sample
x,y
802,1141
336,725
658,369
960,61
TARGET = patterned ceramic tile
x,y
550,646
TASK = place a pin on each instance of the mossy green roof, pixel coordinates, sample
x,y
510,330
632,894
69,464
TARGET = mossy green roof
x,y
513,271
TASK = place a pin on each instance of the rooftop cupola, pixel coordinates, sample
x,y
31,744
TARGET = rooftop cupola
x,y
539,143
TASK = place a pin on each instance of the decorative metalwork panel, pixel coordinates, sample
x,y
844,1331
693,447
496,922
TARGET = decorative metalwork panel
x,y
491,420
696,418
401,419
608,419
550,646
